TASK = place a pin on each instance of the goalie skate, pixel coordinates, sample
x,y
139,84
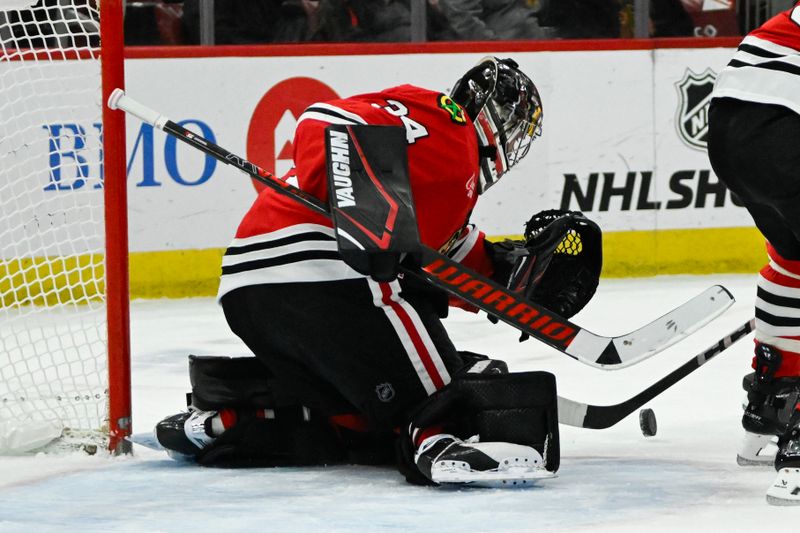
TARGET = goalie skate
x,y
447,460
184,435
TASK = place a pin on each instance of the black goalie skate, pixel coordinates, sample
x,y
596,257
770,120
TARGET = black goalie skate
x,y
184,435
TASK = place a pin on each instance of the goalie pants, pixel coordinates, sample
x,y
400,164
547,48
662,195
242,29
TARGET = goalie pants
x,y
753,150
346,346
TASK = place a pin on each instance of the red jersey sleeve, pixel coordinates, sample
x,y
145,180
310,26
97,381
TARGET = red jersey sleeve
x,y
469,249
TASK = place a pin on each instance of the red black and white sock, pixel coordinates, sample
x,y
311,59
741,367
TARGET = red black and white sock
x,y
778,310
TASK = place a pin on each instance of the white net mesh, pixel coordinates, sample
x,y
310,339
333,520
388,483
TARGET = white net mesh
x,y
52,310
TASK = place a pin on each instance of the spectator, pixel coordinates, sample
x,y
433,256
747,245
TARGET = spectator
x,y
251,22
366,20
153,22
668,18
488,20
581,19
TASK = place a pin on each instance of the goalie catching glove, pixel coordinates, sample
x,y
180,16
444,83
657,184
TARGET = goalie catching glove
x,y
558,263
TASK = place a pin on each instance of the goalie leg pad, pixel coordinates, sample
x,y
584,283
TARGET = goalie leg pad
x,y
290,439
272,428
236,382
518,408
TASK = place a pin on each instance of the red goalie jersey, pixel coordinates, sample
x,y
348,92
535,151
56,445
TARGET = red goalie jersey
x,y
765,68
281,241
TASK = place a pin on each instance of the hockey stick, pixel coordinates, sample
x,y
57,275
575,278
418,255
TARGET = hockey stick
x,y
578,414
441,271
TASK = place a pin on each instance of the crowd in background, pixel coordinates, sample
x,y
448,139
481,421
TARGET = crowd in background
x,y
291,21
179,22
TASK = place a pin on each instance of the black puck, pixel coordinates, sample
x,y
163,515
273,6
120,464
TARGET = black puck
x,y
647,421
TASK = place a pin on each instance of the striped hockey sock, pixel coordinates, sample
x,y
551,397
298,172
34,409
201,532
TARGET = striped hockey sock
x,y
778,311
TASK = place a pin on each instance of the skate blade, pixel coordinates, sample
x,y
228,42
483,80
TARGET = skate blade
x,y
148,440
762,461
501,478
785,490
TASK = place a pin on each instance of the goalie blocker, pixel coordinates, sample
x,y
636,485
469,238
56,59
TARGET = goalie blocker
x,y
261,425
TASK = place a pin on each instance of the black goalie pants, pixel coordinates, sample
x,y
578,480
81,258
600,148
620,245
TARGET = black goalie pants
x,y
753,150
344,347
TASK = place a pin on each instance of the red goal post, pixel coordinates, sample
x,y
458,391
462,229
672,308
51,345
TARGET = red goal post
x,y
64,310
116,232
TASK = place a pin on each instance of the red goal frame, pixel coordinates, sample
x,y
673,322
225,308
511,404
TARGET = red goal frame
x,y
116,230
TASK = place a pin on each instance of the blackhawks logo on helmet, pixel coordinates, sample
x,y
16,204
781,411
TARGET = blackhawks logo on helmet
x,y
455,111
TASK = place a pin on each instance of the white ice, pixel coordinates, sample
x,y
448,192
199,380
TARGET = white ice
x,y
683,479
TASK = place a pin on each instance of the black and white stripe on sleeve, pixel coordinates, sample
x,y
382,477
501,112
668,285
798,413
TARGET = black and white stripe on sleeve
x,y
330,114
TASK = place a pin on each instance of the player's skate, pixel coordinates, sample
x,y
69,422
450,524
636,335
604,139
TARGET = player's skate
x,y
445,459
786,488
184,435
770,402
757,450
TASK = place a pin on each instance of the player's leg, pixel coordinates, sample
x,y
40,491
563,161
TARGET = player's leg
x,y
380,351
774,387
393,361
340,348
751,149
391,357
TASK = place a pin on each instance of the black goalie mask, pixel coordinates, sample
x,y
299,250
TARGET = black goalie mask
x,y
505,109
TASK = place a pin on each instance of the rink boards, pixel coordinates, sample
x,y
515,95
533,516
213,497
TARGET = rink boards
x,y
624,142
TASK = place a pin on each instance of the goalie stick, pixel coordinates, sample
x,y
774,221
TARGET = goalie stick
x,y
578,414
540,323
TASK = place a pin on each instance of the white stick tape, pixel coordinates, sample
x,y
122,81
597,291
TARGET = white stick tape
x,y
120,100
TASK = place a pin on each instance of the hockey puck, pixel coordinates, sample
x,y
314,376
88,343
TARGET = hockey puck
x,y
647,421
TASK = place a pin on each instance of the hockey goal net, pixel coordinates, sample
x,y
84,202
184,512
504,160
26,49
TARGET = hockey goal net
x,y
63,229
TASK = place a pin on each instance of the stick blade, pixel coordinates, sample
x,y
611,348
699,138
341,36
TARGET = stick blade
x,y
614,353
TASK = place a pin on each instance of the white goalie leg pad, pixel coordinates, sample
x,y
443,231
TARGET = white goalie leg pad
x,y
786,488
20,437
757,450
485,464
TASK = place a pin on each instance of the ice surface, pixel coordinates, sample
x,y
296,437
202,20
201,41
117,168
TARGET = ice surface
x,y
683,479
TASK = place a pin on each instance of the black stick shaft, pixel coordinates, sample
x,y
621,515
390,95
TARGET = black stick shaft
x,y
253,170
605,416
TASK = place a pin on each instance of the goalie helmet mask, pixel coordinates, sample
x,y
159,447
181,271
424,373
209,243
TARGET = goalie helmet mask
x,y
505,109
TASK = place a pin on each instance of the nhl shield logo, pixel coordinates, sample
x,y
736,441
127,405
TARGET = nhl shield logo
x,y
694,95
385,392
